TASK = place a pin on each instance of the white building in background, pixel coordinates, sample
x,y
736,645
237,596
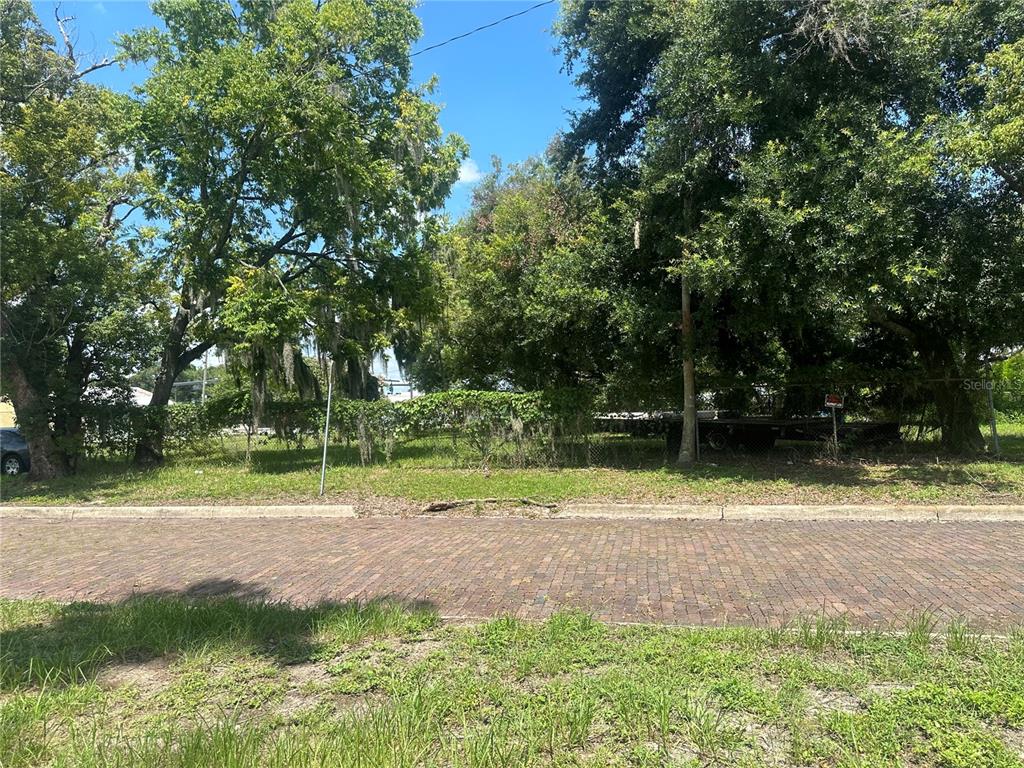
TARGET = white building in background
x,y
141,396
395,389
6,413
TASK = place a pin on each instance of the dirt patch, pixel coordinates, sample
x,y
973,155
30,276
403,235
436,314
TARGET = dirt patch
x,y
309,686
1014,739
823,700
382,506
295,702
885,689
148,677
394,507
418,650
307,675
773,742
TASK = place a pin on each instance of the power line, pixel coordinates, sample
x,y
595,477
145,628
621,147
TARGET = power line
x,y
478,29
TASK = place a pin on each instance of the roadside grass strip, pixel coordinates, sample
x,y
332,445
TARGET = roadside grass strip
x,y
163,681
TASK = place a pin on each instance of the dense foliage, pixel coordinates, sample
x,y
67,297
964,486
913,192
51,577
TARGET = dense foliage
x,y
294,167
843,197
80,306
285,169
839,181
516,424
527,280
837,187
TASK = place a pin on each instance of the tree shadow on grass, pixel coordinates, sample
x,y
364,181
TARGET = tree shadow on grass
x,y
805,466
95,476
72,643
797,464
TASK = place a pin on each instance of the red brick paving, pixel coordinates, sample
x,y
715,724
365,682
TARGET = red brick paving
x,y
683,572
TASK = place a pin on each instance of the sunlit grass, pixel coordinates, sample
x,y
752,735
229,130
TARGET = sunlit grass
x,y
620,470
173,682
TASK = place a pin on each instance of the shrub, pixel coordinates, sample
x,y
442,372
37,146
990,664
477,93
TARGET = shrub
x,y
115,428
521,427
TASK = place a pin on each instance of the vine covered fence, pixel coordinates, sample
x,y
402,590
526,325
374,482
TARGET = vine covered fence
x,y
493,429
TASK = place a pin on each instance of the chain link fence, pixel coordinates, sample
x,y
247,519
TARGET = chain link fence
x,y
738,421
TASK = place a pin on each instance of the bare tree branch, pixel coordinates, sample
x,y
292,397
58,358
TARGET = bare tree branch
x,y
93,67
68,45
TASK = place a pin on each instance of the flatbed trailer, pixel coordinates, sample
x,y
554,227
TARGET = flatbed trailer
x,y
720,430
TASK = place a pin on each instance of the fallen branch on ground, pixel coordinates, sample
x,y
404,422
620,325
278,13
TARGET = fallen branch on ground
x,y
442,506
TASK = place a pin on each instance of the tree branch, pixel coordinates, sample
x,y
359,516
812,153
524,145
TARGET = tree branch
x,y
64,34
189,356
1011,180
291,235
315,261
240,176
881,318
70,47
93,67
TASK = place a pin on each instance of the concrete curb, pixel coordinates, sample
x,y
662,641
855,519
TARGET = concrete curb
x,y
799,512
922,513
169,512
642,511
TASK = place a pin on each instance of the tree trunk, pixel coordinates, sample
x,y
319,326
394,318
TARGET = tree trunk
x,y
149,451
956,395
688,445
47,460
956,401
956,406
68,429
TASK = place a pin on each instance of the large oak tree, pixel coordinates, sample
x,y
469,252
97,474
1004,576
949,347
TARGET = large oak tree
x,y
822,168
79,306
287,137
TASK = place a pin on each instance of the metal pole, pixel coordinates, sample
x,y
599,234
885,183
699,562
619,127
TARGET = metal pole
x,y
835,433
992,417
327,425
206,365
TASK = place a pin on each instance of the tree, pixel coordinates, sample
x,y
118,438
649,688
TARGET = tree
x,y
283,136
263,323
78,306
828,169
522,296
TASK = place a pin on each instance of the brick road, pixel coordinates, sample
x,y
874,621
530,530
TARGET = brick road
x,y
685,572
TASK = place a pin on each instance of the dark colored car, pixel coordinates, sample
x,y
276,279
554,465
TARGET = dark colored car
x,y
13,452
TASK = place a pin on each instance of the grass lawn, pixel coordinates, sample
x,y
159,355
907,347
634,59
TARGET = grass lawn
x,y
620,469
623,470
163,682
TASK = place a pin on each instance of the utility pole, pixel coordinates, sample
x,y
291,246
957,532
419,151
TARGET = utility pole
x,y
206,366
688,446
992,414
327,425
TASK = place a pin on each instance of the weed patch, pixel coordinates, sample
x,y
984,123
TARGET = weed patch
x,y
181,683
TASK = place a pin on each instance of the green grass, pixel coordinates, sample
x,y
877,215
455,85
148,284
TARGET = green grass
x,y
159,681
620,469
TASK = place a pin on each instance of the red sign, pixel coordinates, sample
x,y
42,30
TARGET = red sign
x,y
833,401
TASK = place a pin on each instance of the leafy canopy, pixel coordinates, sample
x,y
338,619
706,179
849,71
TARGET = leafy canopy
x,y
79,304
284,137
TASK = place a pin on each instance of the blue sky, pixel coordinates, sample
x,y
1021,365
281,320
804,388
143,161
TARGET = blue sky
x,y
502,88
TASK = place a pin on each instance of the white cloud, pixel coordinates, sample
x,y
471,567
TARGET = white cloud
x,y
469,172
100,8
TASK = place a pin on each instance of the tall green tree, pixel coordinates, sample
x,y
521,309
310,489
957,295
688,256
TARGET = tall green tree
x,y
523,296
284,136
79,307
822,169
